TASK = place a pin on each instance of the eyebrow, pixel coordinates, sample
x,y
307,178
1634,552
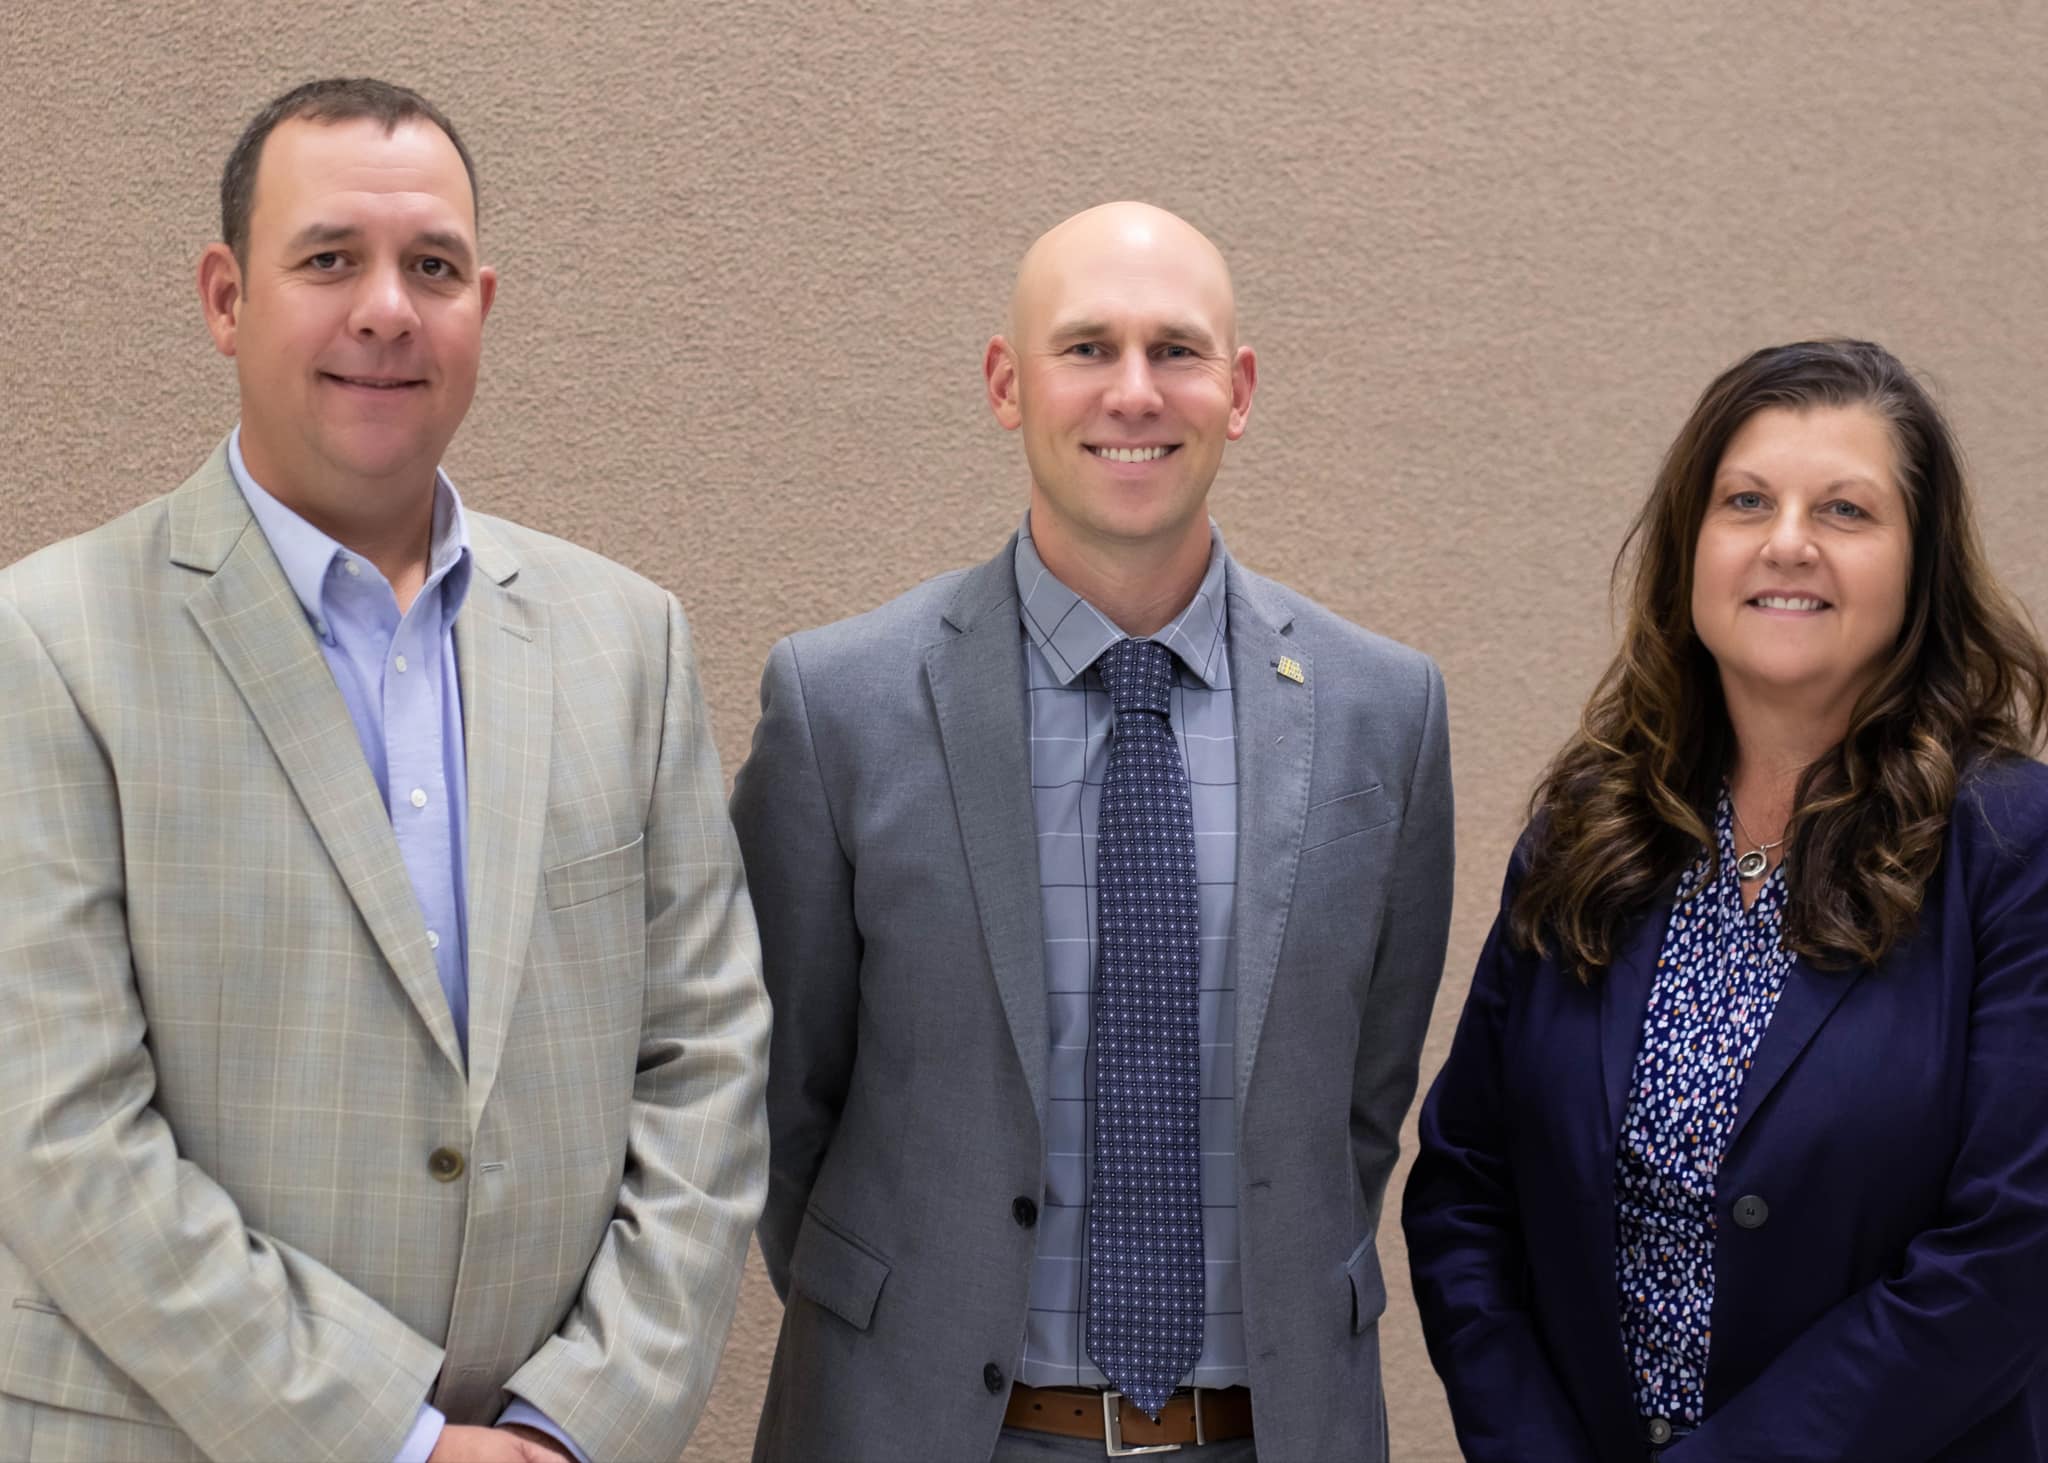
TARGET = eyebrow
x,y
1854,480
1173,332
440,240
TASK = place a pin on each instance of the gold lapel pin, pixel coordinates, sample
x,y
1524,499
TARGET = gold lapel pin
x,y
1289,667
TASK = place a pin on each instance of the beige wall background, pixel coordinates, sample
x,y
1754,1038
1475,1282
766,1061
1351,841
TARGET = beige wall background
x,y
1488,250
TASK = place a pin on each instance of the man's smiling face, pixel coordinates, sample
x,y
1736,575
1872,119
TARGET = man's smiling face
x,y
1121,368
359,318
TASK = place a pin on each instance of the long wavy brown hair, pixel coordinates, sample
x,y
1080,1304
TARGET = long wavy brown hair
x,y
1627,805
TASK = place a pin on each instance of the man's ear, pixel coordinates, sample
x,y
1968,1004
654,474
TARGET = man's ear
x,y
1244,379
999,371
220,295
487,290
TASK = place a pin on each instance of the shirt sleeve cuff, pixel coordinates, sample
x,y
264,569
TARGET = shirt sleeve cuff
x,y
526,1414
426,1431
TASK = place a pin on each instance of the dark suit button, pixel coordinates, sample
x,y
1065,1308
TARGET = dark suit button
x,y
992,1377
1024,1211
445,1164
1660,1431
1751,1211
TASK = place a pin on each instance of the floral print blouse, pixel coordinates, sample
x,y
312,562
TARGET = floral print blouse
x,y
1716,985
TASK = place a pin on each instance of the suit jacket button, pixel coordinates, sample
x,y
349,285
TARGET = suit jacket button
x,y
1024,1211
445,1164
1751,1211
992,1377
1660,1431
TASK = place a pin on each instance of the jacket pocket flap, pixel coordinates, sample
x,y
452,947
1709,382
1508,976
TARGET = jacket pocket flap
x,y
594,877
837,1271
44,1358
1355,812
1368,1285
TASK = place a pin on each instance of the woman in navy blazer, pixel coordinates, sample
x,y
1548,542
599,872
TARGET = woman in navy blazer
x,y
1741,1149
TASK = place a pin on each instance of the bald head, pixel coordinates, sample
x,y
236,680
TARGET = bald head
x,y
1121,369
1116,249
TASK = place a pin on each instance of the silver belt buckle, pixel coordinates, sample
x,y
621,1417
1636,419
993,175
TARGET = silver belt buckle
x,y
1113,1429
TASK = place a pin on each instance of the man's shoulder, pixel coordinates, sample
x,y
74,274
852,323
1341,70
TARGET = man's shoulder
x,y
559,573
894,632
124,560
1323,632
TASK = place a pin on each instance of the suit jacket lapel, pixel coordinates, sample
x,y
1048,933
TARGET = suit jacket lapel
x,y
507,720
977,687
1624,997
246,610
1275,748
1808,998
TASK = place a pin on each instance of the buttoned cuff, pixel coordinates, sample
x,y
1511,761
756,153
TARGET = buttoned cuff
x,y
525,1414
426,1431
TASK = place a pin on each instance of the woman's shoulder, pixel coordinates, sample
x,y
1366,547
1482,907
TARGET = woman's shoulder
x,y
2000,819
1522,857
2004,795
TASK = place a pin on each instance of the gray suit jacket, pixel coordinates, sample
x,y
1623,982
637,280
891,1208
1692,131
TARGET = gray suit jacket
x,y
251,1204
885,815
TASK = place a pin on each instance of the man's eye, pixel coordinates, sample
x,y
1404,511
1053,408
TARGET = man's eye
x,y
1175,352
327,260
434,268
1087,350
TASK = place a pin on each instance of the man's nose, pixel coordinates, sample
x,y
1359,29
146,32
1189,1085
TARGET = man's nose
x,y
1134,392
383,306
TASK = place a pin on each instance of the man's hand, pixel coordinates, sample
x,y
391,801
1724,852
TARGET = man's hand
x,y
539,1443
491,1445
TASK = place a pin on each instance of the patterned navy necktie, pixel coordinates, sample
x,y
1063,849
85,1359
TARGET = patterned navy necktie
x,y
1145,1195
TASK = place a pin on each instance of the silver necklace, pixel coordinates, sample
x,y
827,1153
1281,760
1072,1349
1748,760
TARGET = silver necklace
x,y
1751,865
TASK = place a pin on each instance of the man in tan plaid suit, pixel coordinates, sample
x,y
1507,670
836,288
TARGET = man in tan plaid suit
x,y
381,1028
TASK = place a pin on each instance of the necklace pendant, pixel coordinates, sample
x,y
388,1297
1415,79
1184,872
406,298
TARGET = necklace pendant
x,y
1752,864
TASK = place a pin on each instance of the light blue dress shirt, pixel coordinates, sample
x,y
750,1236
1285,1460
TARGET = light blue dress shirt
x,y
1072,725
397,676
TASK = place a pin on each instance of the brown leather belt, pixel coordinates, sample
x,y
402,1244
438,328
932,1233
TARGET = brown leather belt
x,y
1191,1415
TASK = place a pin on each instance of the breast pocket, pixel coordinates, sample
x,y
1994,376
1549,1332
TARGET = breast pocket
x,y
1336,819
581,880
590,950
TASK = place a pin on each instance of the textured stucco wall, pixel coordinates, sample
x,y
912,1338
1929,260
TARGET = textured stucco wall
x,y
1489,251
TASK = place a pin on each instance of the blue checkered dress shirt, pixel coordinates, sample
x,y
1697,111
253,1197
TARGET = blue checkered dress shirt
x,y
1071,721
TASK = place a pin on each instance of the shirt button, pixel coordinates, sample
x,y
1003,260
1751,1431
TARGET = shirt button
x,y
1660,1431
419,797
433,940
445,1164
355,570
1751,1211
1024,1211
400,663
992,1377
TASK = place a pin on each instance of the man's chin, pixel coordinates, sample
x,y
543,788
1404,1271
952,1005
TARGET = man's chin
x,y
381,461
1153,523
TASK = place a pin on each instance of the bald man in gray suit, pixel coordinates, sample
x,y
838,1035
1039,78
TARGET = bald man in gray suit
x,y
1103,892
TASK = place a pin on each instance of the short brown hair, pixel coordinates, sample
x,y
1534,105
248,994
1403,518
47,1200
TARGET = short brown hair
x,y
1628,803
337,99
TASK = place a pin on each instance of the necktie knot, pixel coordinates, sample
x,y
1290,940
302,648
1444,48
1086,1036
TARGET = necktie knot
x,y
1138,675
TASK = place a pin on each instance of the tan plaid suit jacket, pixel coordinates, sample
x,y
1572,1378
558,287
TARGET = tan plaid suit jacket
x,y
228,1073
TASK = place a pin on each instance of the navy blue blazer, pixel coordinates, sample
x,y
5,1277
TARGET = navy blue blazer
x,y
1887,1301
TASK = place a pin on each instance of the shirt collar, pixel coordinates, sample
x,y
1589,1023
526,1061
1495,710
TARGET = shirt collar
x,y
306,554
1072,633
